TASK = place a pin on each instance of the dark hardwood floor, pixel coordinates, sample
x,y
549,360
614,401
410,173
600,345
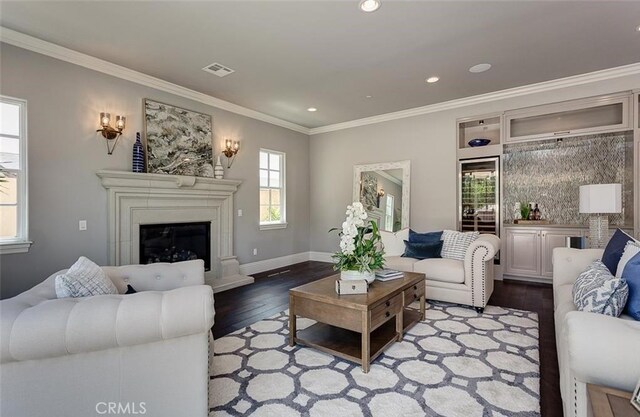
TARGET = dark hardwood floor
x,y
240,307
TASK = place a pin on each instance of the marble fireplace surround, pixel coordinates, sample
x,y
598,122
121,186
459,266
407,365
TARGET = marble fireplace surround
x,y
134,199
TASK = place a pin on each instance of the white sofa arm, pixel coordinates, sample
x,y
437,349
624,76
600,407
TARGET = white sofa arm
x,y
603,350
478,268
568,263
66,326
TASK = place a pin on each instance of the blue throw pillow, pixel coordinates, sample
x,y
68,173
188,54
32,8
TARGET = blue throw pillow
x,y
422,250
429,237
615,248
631,274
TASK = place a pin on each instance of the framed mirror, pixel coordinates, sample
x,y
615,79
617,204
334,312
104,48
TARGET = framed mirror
x,y
383,190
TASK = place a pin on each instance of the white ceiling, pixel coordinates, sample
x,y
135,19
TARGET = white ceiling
x,y
290,55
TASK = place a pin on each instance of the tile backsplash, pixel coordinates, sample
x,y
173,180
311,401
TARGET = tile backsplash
x,y
550,173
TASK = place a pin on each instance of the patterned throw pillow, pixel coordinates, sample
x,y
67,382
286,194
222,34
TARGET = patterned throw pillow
x,y
455,244
83,279
596,290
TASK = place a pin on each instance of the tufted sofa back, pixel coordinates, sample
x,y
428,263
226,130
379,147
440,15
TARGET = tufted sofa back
x,y
158,276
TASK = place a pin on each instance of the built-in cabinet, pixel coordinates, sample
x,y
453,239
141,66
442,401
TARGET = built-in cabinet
x,y
573,118
529,250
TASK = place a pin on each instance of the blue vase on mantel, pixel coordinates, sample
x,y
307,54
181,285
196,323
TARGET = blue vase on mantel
x,y
138,155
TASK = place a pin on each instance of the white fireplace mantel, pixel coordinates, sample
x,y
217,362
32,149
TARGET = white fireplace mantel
x,y
135,199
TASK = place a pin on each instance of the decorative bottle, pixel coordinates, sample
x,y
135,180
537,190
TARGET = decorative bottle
x,y
138,155
536,213
218,171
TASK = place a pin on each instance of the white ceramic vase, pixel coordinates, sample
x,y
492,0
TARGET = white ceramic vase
x,y
357,275
218,171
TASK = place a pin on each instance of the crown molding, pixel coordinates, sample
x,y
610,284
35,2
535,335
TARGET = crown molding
x,y
590,77
40,46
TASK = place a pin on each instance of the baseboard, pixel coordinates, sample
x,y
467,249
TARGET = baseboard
x,y
321,257
269,264
535,280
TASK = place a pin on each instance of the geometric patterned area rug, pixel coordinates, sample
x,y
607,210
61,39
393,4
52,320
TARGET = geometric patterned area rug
x,y
455,363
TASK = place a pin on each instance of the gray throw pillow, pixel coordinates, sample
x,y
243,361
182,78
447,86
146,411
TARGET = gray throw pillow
x,y
596,290
83,279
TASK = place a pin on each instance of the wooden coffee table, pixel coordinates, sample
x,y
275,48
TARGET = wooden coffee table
x,y
356,327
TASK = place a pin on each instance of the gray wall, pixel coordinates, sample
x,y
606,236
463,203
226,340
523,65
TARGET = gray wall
x,y
429,141
64,153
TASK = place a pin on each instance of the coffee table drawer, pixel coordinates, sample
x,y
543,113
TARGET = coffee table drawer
x,y
384,311
413,293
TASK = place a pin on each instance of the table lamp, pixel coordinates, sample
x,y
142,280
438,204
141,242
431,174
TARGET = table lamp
x,y
598,200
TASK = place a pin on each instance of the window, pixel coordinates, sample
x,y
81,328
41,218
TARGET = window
x,y
272,190
13,177
388,215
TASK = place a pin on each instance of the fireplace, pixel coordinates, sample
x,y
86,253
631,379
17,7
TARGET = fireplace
x,y
139,200
175,242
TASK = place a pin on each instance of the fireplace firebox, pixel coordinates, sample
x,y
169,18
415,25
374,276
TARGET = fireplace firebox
x,y
175,242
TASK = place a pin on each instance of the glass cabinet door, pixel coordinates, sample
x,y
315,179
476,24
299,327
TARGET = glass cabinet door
x,y
479,196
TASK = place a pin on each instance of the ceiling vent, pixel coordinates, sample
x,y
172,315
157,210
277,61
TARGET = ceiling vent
x,y
218,69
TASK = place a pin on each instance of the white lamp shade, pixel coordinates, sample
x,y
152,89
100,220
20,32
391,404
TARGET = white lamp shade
x,y
601,198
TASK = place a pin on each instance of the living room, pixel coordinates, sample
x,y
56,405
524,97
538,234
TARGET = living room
x,y
289,112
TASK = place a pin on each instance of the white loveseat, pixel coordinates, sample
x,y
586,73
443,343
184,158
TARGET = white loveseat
x,y
468,282
592,348
99,355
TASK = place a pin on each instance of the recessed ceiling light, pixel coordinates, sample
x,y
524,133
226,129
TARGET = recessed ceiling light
x,y
369,5
312,109
432,80
638,28
368,96
480,68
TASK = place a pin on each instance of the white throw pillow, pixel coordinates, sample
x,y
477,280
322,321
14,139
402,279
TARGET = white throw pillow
x,y
84,279
455,244
394,242
630,250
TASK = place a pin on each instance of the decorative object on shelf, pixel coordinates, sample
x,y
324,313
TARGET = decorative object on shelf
x,y
598,200
137,161
111,134
361,252
218,171
231,148
178,140
474,143
525,211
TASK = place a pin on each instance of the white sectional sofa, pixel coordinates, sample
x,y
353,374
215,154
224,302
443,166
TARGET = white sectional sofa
x,y
76,357
468,282
592,348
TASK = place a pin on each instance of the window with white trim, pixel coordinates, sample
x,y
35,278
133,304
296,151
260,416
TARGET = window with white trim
x,y
272,190
13,175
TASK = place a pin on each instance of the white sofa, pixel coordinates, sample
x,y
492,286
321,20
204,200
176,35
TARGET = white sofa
x,y
468,282
98,355
592,348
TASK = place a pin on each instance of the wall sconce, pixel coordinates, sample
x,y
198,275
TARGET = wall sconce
x,y
109,133
231,148
380,195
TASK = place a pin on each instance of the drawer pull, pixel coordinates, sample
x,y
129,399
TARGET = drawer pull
x,y
415,287
387,314
415,296
388,303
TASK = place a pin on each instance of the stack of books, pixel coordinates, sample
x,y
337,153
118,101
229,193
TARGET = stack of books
x,y
388,274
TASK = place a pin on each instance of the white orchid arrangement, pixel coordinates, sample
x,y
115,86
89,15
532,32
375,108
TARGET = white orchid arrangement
x,y
360,242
